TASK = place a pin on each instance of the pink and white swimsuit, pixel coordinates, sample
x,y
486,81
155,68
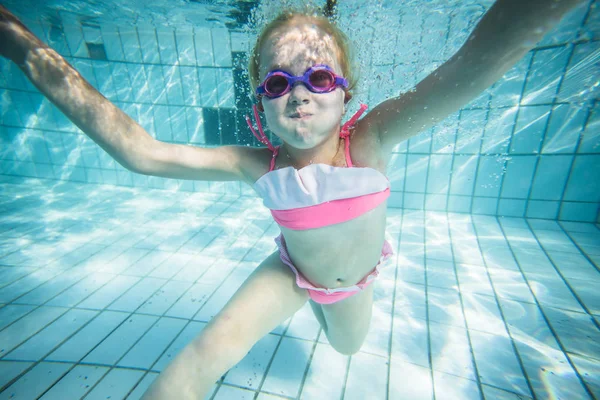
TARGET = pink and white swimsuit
x,y
320,195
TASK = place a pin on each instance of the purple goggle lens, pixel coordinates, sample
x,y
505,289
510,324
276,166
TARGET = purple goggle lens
x,y
318,79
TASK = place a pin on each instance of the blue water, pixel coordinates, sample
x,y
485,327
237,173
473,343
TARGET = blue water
x,y
105,275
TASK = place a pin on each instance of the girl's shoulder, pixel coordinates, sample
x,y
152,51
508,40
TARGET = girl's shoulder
x,y
365,147
255,162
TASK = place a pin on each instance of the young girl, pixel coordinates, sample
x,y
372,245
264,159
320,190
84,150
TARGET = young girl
x,y
325,185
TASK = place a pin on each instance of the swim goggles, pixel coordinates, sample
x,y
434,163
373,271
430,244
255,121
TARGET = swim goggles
x,y
318,79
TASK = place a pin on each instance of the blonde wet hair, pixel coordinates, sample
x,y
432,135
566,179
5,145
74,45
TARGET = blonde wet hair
x,y
341,41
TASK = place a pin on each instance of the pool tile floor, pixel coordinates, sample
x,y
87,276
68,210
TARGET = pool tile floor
x,y
101,286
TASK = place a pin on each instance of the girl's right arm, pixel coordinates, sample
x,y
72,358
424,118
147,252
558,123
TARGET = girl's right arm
x,y
119,135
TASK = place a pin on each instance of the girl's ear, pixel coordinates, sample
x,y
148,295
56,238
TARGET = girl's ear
x,y
347,97
259,105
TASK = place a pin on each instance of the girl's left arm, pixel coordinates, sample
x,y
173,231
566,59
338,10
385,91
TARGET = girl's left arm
x,y
504,35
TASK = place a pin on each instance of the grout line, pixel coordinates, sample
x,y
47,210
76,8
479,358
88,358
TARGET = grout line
x,y
538,156
426,284
561,347
479,154
581,250
508,154
462,307
498,304
390,340
559,272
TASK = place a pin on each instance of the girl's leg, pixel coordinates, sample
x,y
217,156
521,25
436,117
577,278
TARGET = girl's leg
x,y
346,323
268,297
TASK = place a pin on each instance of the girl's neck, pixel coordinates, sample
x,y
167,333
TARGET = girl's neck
x,y
325,153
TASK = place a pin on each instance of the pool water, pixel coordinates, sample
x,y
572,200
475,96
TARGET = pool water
x,y
493,289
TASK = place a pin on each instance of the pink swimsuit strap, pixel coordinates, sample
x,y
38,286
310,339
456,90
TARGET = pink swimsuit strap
x,y
344,133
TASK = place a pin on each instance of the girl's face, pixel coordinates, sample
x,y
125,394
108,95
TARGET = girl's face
x,y
301,118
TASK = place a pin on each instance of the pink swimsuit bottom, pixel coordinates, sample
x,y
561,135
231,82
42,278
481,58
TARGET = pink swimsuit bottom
x,y
329,296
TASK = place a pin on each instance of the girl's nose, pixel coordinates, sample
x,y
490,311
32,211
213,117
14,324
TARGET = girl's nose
x,y
299,93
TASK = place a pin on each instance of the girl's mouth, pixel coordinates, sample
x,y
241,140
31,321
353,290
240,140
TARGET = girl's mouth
x,y
299,115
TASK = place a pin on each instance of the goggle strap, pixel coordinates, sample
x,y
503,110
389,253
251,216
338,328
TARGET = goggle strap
x,y
262,138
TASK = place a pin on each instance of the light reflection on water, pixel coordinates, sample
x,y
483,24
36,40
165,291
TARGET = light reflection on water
x,y
472,305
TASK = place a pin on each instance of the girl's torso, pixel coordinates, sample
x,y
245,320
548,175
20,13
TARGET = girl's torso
x,y
340,254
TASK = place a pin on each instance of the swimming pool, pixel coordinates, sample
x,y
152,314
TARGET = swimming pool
x,y
105,273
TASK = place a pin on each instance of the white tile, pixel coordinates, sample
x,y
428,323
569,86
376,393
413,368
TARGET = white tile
x,y
304,324
377,340
474,279
36,381
124,260
587,292
450,350
12,312
10,369
367,377
109,292
88,337
450,387
444,306
533,261
52,335
482,314
137,295
52,287
589,370
131,44
142,386
185,47
151,346
548,370
148,44
556,241
492,351
75,41
191,301
550,290
576,331
204,48
147,263
326,375
574,265
492,393
164,298
441,274
265,396
220,41
28,326
233,393
511,285
113,347
408,381
410,301
526,322
249,372
578,227
116,384
76,383
287,369
410,340
411,269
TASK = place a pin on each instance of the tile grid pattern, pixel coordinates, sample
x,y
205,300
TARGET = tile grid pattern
x,y
467,168
471,306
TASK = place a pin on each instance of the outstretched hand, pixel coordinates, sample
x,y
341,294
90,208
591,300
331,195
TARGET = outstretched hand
x,y
15,39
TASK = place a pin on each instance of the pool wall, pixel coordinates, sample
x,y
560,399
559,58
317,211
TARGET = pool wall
x,y
529,146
